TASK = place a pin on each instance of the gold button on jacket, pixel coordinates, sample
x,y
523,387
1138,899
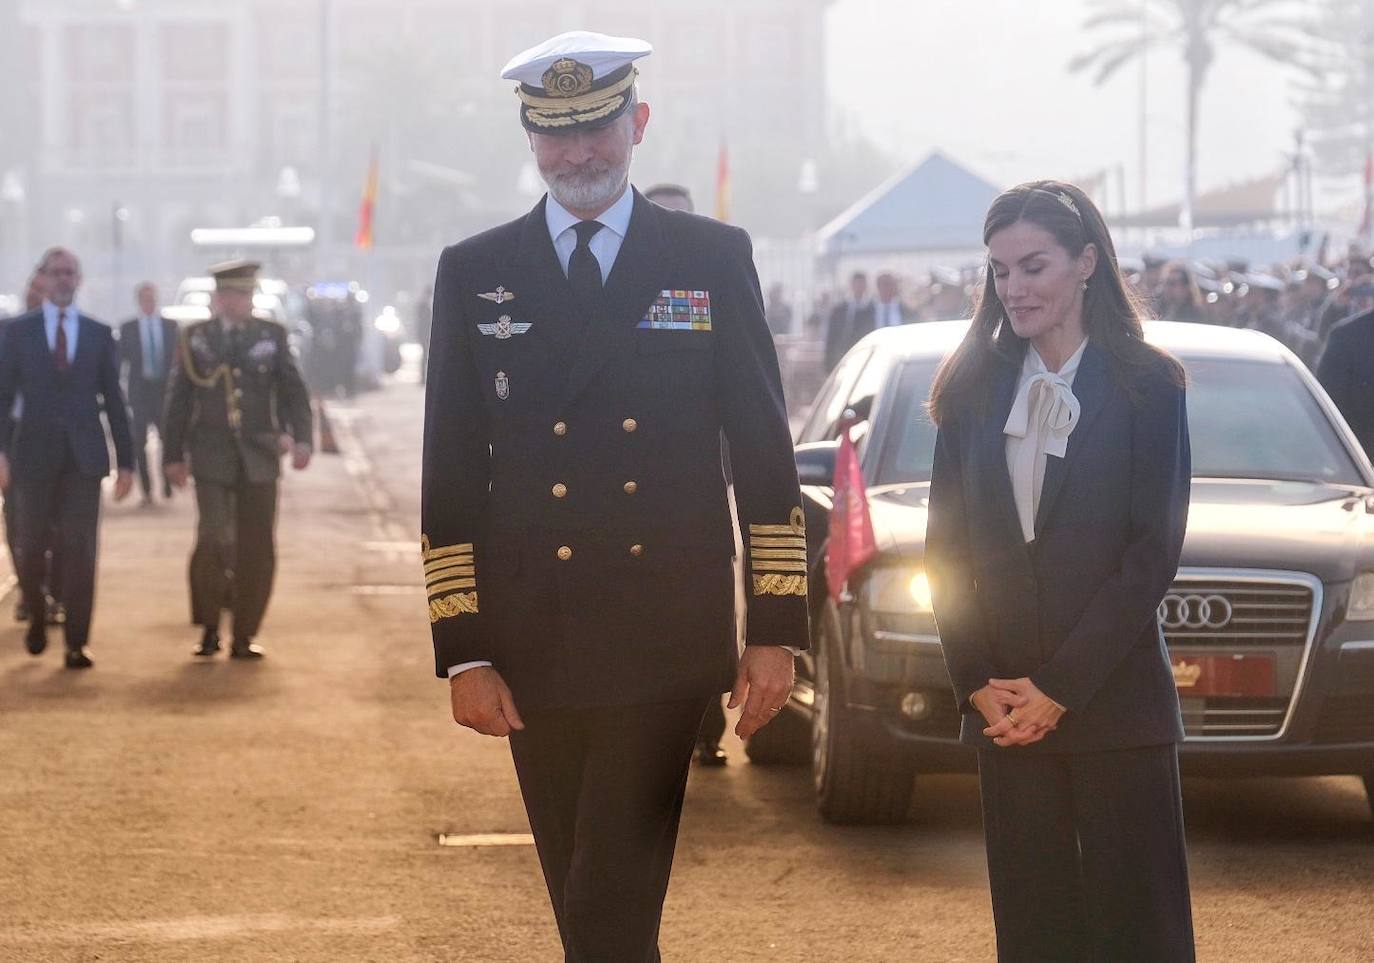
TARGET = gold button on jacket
x,y
631,487
560,490
629,424
564,552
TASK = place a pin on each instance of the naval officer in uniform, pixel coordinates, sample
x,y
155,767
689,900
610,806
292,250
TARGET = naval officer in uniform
x,y
236,405
577,544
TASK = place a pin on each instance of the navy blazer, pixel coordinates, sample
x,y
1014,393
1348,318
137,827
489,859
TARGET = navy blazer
x,y
1346,371
61,411
1075,609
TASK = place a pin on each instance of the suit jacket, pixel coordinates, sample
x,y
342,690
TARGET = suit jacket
x,y
1346,371
146,396
1075,609
843,332
572,465
231,398
61,411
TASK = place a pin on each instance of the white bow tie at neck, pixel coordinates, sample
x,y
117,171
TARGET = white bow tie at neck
x,y
1056,411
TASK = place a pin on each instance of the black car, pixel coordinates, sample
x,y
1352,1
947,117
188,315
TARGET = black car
x,y
1270,622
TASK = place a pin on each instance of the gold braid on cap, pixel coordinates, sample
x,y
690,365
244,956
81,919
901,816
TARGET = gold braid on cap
x,y
569,104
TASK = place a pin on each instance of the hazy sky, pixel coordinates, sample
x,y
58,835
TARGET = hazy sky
x,y
988,82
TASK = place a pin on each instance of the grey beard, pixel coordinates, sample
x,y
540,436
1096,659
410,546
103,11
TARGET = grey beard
x,y
577,193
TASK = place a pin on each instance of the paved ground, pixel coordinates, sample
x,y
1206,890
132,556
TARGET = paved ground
x,y
157,809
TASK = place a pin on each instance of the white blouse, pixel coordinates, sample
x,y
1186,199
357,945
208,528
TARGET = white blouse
x,y
1042,418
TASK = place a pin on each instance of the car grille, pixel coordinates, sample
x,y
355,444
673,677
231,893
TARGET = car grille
x,y
1260,614
1345,719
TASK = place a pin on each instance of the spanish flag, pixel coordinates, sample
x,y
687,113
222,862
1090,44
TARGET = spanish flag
x,y
723,184
363,239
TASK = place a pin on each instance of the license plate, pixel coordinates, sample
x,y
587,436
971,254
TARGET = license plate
x,y
1224,675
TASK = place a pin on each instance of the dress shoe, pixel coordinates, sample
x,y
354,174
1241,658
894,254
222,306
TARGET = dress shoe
x,y
21,611
245,650
209,644
708,755
78,659
36,639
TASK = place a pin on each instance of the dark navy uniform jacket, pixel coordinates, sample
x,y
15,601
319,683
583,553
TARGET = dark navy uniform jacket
x,y
1075,609
1346,371
576,528
62,412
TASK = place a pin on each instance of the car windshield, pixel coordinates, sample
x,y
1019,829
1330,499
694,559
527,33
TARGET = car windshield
x,y
1247,419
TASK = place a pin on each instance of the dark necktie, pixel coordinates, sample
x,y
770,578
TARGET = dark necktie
x,y
59,351
584,274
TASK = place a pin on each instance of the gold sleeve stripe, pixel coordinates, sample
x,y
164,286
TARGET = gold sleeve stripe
x,y
447,550
453,559
451,605
448,571
772,530
757,566
448,585
762,553
779,584
798,541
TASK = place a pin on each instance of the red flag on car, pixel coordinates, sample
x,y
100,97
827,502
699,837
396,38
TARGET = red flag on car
x,y
851,543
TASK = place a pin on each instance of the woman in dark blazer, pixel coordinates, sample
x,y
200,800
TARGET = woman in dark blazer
x,y
1058,504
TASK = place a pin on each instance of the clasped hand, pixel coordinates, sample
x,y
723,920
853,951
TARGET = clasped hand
x,y
1017,712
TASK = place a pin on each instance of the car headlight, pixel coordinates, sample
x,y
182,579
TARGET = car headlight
x,y
900,591
1361,608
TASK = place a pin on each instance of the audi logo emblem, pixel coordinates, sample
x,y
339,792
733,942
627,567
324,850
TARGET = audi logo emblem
x,y
1194,612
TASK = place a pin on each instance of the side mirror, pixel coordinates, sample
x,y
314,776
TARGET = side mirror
x,y
816,463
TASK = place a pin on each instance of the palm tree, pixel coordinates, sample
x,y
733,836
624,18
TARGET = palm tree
x,y
1196,28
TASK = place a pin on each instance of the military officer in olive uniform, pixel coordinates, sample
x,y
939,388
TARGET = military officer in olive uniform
x,y
577,539
235,406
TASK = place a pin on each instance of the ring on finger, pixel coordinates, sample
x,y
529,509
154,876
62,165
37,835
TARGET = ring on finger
x,y
1011,717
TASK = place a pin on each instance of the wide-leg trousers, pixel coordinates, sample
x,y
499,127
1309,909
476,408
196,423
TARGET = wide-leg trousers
x,y
603,788
1086,856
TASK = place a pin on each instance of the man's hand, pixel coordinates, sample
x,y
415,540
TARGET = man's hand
x,y
763,685
4,473
482,701
284,443
175,473
1032,718
124,483
994,704
300,457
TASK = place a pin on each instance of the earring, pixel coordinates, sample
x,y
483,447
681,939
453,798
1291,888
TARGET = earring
x,y
1085,285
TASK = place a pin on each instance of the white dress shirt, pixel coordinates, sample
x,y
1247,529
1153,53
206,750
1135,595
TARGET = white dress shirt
x,y
888,314
605,246
68,316
1042,417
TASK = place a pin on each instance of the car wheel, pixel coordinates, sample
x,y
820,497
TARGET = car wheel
x,y
857,782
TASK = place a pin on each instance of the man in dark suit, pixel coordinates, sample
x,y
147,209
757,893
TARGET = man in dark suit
x,y
849,320
64,366
1346,369
888,309
147,350
236,405
585,360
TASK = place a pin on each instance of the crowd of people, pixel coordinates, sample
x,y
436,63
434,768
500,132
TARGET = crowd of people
x,y
1297,302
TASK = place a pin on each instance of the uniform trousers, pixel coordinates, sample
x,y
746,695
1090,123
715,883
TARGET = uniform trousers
x,y
235,557
147,413
603,788
63,513
1086,856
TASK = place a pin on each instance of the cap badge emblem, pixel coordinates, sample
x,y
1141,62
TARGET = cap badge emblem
x,y
567,78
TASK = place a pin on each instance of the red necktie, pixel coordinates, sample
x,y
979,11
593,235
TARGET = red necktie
x,y
60,350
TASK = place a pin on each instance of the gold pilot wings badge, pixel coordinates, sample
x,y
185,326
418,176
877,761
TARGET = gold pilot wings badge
x,y
500,295
504,328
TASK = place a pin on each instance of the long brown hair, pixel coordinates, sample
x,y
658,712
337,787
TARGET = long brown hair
x,y
1111,312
